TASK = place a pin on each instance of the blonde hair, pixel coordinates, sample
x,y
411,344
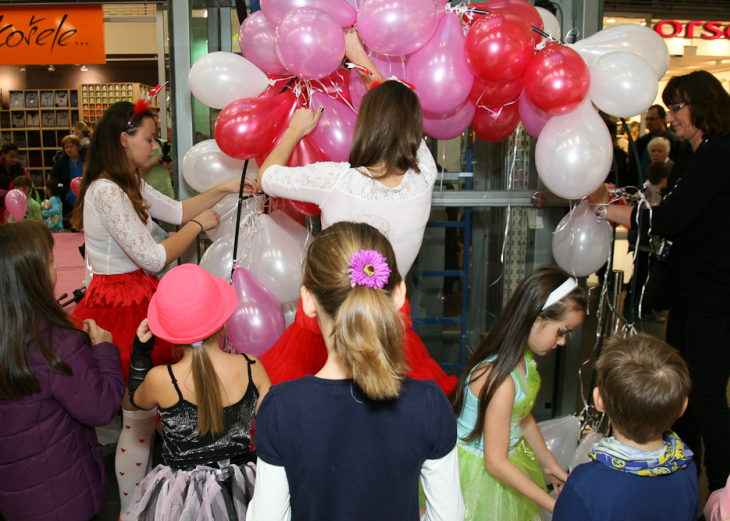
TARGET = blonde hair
x,y
83,128
366,324
207,392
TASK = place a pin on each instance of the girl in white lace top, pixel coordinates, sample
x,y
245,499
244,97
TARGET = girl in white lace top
x,y
115,209
387,183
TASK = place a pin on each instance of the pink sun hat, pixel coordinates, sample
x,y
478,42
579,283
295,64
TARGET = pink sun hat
x,y
190,305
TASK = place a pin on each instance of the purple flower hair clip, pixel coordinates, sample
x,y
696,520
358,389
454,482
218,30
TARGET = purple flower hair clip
x,y
369,268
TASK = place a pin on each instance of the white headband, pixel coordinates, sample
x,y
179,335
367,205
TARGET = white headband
x,y
564,289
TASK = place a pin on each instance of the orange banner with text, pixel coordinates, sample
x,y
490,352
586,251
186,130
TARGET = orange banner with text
x,y
52,34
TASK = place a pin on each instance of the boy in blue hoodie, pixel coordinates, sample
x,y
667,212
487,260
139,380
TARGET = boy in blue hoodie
x,y
644,471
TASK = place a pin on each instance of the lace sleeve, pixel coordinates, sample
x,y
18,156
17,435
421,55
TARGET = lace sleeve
x,y
161,206
121,221
311,183
426,163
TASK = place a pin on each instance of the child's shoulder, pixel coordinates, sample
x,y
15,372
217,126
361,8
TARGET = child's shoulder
x,y
480,375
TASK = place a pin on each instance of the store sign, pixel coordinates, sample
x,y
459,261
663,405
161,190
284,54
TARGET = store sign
x,y
705,30
48,34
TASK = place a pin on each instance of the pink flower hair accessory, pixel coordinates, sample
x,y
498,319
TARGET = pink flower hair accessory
x,y
369,268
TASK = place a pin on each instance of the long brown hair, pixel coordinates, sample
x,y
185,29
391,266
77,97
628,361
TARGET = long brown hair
x,y
108,160
389,129
367,326
709,102
29,312
207,392
508,338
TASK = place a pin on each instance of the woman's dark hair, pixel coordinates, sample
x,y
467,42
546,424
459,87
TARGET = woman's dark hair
x,y
108,160
56,187
508,338
389,129
29,312
9,147
709,102
23,181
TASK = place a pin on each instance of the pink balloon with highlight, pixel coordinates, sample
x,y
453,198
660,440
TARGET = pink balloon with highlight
x,y
388,65
533,118
16,203
258,321
256,40
396,27
357,89
336,127
451,125
340,10
310,43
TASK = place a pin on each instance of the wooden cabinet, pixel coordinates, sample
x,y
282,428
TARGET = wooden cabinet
x,y
95,98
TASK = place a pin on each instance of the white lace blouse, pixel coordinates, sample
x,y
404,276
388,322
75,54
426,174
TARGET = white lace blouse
x,y
350,194
117,241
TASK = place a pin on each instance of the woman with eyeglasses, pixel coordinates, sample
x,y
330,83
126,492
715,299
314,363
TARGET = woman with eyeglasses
x,y
114,209
694,216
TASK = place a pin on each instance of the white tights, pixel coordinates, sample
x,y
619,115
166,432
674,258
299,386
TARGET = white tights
x,y
134,451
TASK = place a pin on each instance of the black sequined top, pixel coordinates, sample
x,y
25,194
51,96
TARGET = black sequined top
x,y
183,446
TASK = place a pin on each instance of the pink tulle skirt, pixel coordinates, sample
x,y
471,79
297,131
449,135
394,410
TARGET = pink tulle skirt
x,y
202,494
300,351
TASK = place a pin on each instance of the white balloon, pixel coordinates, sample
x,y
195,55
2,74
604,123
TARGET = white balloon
x,y
550,23
220,78
561,437
582,241
227,208
205,166
574,152
584,448
622,84
632,38
293,228
290,312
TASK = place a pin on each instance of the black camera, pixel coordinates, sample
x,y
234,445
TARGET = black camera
x,y
166,147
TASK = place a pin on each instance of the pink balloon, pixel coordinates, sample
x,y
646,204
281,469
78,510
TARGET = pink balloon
x,y
397,26
336,84
256,40
533,118
357,89
439,71
336,127
388,65
451,125
16,203
248,127
258,321
310,43
340,10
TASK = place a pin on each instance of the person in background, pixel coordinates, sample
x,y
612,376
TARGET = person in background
x,y
351,441
659,149
83,132
52,207
25,185
56,384
619,167
10,168
656,126
644,471
158,174
68,165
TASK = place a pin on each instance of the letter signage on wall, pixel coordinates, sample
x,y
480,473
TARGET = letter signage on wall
x,y
694,29
52,34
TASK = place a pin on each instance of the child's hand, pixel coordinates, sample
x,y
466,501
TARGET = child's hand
x,y
557,476
97,334
304,121
143,332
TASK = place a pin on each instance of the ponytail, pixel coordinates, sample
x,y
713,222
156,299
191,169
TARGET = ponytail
x,y
368,337
207,393
367,327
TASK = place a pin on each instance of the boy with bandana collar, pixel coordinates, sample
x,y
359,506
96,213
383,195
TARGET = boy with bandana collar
x,y
644,471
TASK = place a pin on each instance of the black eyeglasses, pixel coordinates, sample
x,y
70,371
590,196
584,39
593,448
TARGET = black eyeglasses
x,y
676,108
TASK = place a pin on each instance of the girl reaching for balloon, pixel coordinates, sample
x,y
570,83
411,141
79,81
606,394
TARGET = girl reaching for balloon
x,y
387,183
501,449
352,441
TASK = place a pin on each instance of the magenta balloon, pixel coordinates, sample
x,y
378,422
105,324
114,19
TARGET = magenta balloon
x,y
397,26
451,125
388,65
16,203
438,70
258,321
336,127
357,89
256,40
340,10
533,118
310,43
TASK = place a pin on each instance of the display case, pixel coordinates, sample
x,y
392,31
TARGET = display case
x,y
95,98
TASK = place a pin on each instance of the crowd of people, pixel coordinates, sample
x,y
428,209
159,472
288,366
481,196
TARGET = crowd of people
x,y
348,416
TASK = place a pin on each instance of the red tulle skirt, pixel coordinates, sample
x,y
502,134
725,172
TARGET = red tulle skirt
x,y
118,303
301,351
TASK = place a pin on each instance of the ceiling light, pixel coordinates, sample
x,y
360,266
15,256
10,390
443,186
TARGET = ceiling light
x,y
22,68
84,68
51,68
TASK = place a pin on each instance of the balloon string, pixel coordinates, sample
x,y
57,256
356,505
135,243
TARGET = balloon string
x,y
337,90
469,12
443,167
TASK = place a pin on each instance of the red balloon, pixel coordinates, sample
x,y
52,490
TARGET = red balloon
x,y
279,203
499,46
274,90
76,186
525,9
557,79
336,84
496,123
305,208
496,93
246,128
